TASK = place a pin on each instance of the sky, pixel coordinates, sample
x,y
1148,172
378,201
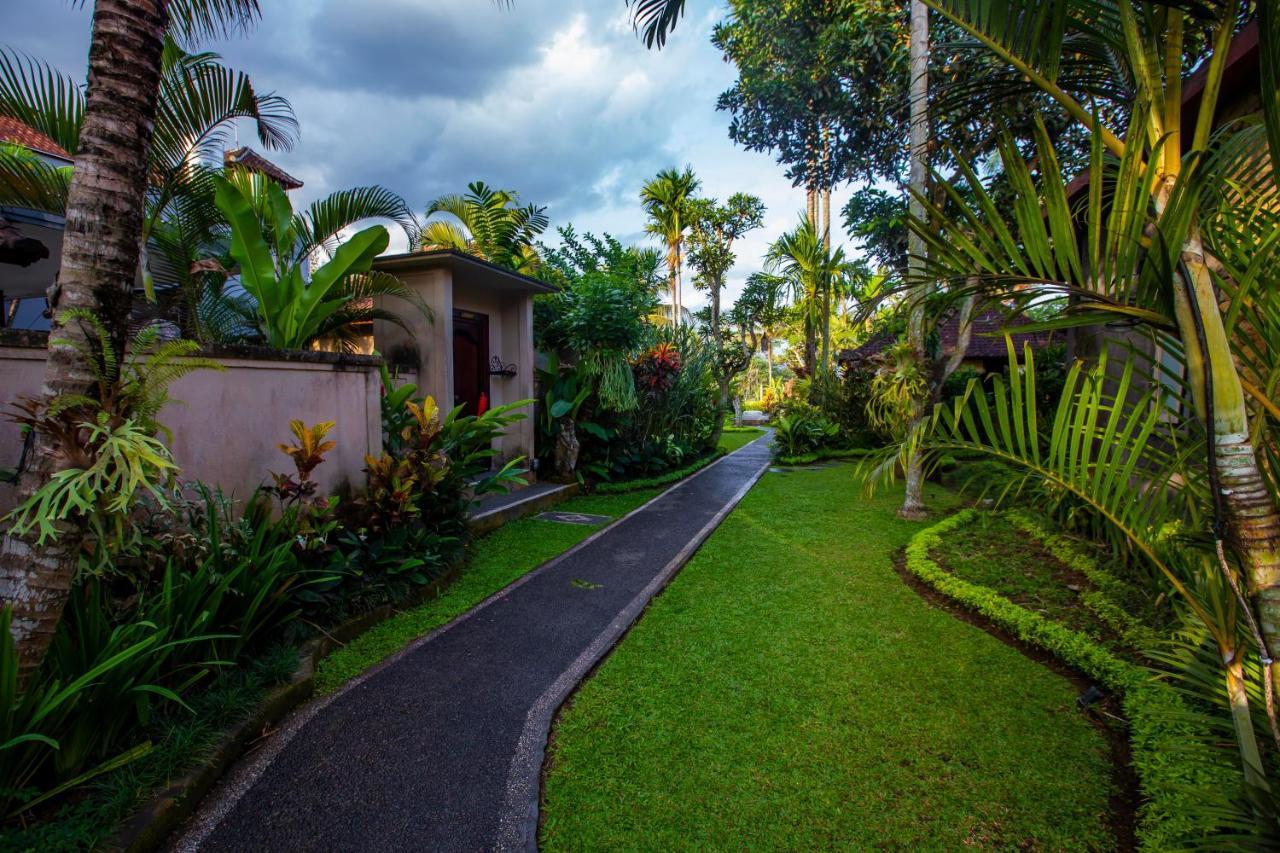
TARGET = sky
x,y
556,99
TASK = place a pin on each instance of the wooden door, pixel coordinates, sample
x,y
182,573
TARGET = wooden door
x,y
470,360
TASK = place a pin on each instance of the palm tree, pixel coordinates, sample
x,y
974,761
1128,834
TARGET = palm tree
x,y
104,217
488,224
1210,205
667,198
200,100
913,506
815,275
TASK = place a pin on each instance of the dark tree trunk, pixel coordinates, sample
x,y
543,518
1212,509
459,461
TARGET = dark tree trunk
x,y
100,251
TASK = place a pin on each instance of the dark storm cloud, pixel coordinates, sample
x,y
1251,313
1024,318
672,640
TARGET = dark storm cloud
x,y
556,99
405,47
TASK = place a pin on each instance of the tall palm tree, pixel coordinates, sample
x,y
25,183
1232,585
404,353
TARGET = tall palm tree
x,y
100,251
488,224
1209,208
913,506
815,275
667,200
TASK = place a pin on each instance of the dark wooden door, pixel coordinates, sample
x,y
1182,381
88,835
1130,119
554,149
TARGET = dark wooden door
x,y
470,359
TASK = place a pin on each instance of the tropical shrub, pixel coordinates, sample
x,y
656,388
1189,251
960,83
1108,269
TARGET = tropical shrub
x,y
292,309
844,400
803,429
109,438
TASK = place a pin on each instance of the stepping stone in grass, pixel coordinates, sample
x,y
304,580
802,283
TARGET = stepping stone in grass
x,y
573,518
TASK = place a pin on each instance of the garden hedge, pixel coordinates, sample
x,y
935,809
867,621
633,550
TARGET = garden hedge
x,y
1166,740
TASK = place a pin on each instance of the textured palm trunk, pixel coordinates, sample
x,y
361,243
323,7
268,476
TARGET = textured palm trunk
x,y
1250,507
100,251
913,503
673,277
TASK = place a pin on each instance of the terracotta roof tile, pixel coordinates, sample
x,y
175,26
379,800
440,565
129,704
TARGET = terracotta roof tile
x,y
14,131
255,162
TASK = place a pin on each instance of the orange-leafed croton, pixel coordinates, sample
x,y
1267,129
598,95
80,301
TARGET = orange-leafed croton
x,y
307,452
396,480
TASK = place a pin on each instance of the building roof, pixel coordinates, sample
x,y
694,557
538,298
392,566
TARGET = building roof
x,y
467,269
19,133
1240,80
255,162
986,341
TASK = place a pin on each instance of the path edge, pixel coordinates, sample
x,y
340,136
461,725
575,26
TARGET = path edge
x,y
225,792
518,824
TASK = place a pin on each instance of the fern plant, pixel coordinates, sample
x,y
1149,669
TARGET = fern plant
x,y
107,437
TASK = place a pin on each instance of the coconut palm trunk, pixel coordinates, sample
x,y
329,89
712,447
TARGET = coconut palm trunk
x,y
913,503
99,264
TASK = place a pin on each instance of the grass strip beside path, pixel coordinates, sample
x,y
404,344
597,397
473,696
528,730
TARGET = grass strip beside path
x,y
787,690
498,559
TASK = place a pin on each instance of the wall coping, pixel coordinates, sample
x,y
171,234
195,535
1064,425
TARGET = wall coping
x,y
31,339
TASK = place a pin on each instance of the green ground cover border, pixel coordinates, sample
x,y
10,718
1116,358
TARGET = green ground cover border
x,y
822,454
1160,729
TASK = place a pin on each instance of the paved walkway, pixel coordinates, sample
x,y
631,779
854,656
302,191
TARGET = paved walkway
x,y
441,747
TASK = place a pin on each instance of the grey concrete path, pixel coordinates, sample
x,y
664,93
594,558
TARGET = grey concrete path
x,y
440,748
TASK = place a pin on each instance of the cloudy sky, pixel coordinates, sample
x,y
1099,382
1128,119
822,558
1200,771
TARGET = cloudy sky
x,y
556,99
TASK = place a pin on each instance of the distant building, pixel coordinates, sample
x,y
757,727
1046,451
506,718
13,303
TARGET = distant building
x,y
30,240
987,352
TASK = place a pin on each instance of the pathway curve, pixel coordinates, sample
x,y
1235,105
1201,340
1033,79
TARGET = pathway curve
x,y
441,746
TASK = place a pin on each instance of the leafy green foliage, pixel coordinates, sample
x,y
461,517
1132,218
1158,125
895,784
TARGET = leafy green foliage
x,y
292,310
486,223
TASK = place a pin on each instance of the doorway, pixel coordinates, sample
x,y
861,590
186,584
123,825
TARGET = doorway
x,y
470,360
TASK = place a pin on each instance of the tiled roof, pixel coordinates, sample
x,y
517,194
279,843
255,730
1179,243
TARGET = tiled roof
x,y
14,131
986,341
255,162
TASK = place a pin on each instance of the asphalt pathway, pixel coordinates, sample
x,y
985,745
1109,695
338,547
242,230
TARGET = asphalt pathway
x,y
440,748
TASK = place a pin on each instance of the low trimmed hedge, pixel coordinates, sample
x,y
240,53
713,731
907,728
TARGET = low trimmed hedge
x,y
1162,734
821,454
624,486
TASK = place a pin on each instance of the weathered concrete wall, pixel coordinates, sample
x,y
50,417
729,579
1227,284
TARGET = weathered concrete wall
x,y
227,425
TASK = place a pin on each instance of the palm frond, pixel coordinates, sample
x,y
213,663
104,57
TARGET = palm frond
x,y
654,20
41,97
27,180
320,224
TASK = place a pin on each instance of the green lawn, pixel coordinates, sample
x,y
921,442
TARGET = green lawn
x,y
731,440
496,560
789,691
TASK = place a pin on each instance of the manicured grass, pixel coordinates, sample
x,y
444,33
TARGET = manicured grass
x,y
496,560
788,690
733,438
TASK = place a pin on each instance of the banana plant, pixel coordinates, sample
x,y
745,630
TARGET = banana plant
x,y
292,310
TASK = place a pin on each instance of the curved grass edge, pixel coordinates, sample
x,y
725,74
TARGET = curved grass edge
x,y
1162,733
